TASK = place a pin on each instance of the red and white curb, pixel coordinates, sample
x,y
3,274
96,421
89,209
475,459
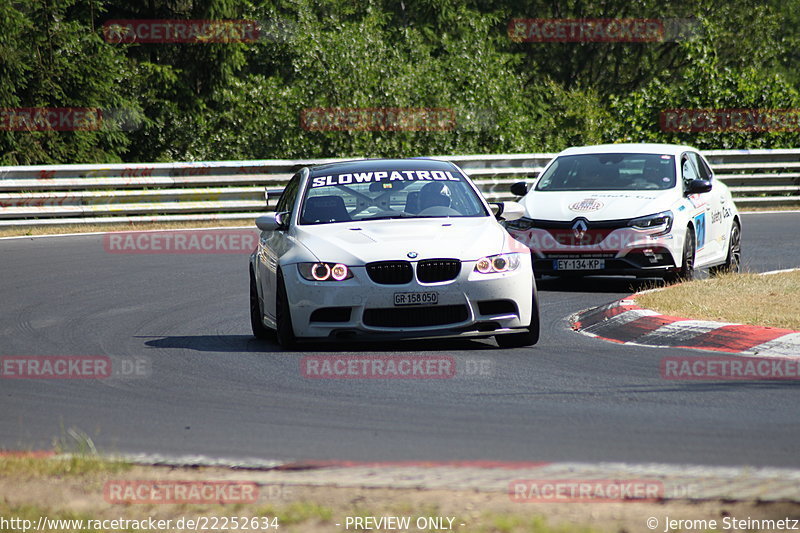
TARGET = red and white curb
x,y
625,322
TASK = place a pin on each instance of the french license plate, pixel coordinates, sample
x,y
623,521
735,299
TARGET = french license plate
x,y
416,298
579,264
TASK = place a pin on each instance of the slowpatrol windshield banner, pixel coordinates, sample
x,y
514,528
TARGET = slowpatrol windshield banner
x,y
394,175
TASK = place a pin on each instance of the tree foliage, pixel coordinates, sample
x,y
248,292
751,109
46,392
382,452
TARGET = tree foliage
x,y
244,100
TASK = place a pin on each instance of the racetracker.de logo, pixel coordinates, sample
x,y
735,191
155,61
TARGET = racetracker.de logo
x,y
50,118
377,119
629,30
378,367
181,242
728,120
730,368
73,367
569,239
180,492
585,491
180,31
67,119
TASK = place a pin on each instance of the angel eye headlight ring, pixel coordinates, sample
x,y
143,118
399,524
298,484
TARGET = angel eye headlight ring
x,y
324,271
484,265
320,271
339,272
495,264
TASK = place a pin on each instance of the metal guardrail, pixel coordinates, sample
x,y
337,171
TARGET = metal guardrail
x,y
98,194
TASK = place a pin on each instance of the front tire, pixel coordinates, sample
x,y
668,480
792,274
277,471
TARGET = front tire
x,y
259,330
686,272
283,316
733,261
530,337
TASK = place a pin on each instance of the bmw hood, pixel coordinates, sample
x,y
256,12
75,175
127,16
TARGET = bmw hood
x,y
361,242
595,205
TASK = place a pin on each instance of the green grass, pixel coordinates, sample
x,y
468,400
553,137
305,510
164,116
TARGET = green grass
x,y
297,513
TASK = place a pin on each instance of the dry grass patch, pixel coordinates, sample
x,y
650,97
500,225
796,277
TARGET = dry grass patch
x,y
137,226
151,226
772,300
247,222
74,465
29,490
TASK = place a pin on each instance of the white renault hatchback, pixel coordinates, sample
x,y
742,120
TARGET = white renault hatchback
x,y
619,209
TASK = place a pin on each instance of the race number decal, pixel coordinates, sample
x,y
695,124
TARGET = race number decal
x,y
700,230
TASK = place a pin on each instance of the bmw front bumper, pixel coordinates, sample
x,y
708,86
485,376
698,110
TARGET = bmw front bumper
x,y
471,305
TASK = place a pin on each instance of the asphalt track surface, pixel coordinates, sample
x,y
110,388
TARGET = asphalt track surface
x,y
215,390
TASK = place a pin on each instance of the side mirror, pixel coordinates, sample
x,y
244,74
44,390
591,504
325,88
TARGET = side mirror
x,y
698,186
273,221
508,211
519,188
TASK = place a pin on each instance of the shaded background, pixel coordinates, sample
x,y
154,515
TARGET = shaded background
x,y
243,100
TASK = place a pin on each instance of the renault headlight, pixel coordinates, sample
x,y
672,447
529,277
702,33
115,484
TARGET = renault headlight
x,y
661,223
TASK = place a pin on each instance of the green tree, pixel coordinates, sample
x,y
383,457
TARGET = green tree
x,y
53,56
707,84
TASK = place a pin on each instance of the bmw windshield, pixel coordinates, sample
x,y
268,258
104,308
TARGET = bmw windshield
x,y
609,172
381,195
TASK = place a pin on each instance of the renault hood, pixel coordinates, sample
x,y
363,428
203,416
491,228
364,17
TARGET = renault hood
x,y
596,205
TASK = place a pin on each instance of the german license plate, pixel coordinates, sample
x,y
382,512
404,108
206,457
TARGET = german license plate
x,y
416,298
579,264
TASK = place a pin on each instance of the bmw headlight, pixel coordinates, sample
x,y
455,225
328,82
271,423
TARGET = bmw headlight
x,y
324,271
494,264
661,222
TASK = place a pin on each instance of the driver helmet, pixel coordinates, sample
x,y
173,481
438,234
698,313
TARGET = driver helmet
x,y
434,195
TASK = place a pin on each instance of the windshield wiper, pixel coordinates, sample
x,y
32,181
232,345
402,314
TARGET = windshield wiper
x,y
390,217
